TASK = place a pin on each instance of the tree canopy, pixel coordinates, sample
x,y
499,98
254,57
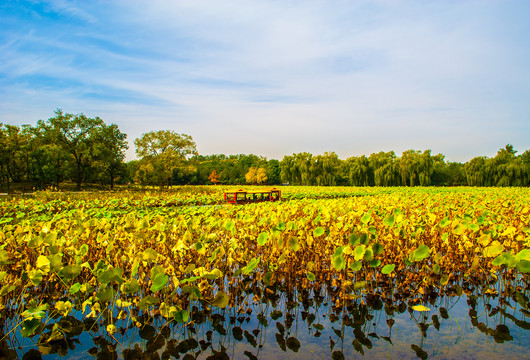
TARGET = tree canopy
x,y
80,149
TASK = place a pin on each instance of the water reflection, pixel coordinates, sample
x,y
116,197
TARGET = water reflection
x,y
466,322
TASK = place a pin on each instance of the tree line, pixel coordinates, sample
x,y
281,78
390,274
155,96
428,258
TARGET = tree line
x,y
82,150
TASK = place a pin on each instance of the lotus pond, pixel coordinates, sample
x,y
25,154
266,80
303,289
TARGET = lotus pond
x,y
436,273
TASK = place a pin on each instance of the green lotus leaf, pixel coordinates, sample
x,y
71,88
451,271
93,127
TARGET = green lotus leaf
x,y
293,244
523,255
34,310
193,291
356,265
523,266
35,276
338,262
6,289
74,288
506,258
111,275
250,266
368,254
374,263
389,220
364,239
318,231
262,238
354,239
388,268
494,249
377,248
181,316
29,326
359,251
130,287
106,294
4,257
147,301
365,219
229,226
159,281
359,285
422,252
56,262
156,270
436,269
339,251
70,272
310,276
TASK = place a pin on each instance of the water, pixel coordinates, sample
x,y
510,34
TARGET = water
x,y
307,324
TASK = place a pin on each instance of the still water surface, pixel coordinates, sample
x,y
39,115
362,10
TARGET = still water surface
x,y
301,325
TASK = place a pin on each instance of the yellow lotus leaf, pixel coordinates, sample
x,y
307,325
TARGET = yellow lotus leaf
x,y
494,249
43,263
111,329
347,250
63,307
510,230
484,239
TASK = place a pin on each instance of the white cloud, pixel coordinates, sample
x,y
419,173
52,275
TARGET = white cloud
x,y
347,76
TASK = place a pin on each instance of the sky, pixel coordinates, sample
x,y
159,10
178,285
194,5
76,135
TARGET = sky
x,y
277,77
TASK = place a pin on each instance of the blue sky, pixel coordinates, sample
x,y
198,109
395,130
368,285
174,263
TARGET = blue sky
x,y
275,77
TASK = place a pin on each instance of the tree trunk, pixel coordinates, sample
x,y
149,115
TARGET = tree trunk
x,y
79,179
111,177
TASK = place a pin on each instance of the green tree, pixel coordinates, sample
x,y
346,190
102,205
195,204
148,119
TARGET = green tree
x,y
274,171
384,168
164,151
110,145
361,174
77,136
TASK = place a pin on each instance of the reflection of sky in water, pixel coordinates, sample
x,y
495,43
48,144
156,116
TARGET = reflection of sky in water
x,y
456,338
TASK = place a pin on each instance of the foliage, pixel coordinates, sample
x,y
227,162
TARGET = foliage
x,y
161,153
256,176
214,177
77,148
65,147
150,253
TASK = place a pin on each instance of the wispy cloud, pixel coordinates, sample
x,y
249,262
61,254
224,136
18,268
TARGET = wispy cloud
x,y
347,76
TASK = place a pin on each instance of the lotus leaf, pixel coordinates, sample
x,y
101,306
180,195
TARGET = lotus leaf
x,y
262,238
359,252
389,220
387,269
130,287
422,252
220,300
338,262
356,265
318,231
523,266
181,316
159,281
494,249
293,244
